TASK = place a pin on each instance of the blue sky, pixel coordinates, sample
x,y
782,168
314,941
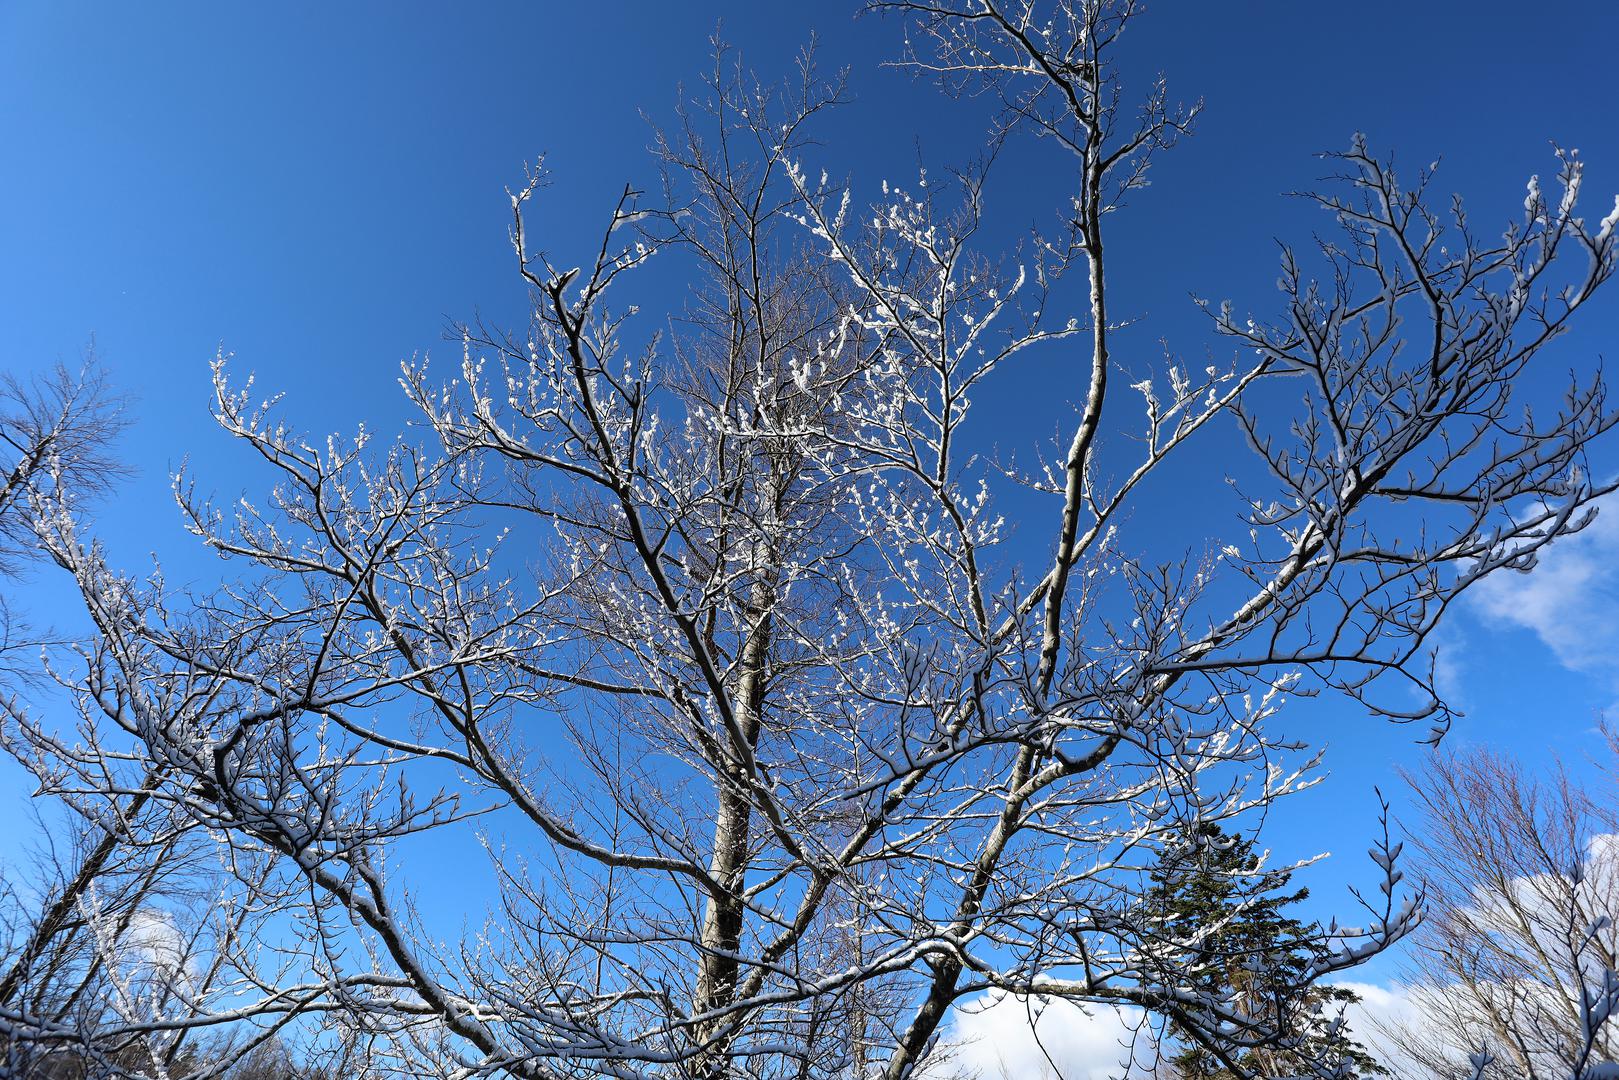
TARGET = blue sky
x,y
319,189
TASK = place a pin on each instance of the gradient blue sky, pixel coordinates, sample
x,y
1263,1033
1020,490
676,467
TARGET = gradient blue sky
x,y
320,188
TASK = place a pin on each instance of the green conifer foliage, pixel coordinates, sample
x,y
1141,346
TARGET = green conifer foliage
x,y
1211,890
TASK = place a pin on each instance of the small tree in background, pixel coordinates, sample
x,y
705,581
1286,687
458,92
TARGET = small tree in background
x,y
1518,949
1214,895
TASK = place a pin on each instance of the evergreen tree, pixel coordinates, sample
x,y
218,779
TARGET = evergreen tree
x,y
1212,882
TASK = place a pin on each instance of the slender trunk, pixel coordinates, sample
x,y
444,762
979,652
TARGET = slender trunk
x,y
722,921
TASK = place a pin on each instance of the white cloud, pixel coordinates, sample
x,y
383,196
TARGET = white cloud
x,y
1449,643
1388,1015
146,942
1570,599
1383,1010
994,1038
154,940
997,1042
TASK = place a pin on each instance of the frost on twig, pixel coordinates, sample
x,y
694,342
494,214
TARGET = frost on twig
x,y
707,629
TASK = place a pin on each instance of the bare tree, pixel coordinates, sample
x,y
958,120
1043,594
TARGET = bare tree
x,y
128,949
1517,953
55,433
86,910
708,630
